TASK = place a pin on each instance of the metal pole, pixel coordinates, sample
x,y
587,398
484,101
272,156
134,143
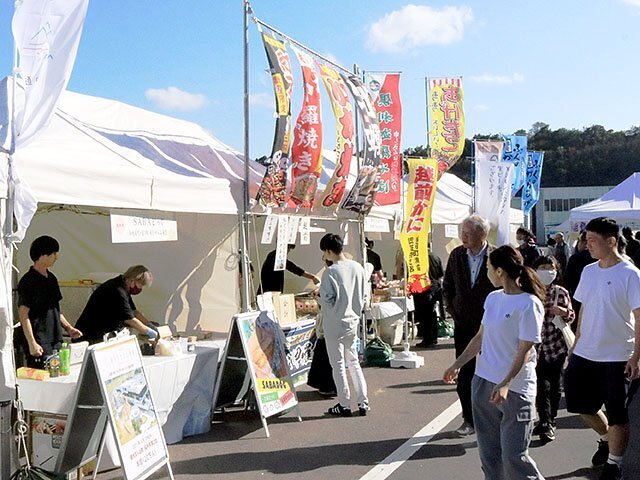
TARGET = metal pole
x,y
244,227
426,112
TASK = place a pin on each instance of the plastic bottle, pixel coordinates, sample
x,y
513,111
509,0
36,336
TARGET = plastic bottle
x,y
65,359
54,364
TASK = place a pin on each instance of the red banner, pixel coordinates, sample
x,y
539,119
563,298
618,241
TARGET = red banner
x,y
306,152
389,108
343,112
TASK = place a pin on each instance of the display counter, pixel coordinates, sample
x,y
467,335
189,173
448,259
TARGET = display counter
x,y
181,388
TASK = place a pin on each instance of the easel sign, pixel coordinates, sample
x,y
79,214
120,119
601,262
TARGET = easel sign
x,y
115,367
264,353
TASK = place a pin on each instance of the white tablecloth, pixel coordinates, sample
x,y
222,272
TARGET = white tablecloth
x,y
181,388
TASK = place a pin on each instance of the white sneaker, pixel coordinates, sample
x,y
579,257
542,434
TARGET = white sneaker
x,y
465,429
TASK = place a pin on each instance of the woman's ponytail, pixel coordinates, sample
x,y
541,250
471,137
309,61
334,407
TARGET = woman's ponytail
x,y
530,283
510,260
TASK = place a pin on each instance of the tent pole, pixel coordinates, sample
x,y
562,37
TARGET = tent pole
x,y
244,227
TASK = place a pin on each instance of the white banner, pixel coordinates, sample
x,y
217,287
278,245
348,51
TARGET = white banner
x,y
372,224
294,223
281,243
451,231
269,230
493,195
46,34
130,229
305,231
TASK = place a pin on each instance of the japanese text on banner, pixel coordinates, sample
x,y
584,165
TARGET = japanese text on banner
x,y
423,174
445,104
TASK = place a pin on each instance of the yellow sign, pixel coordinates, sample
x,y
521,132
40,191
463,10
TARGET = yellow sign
x,y
423,175
446,121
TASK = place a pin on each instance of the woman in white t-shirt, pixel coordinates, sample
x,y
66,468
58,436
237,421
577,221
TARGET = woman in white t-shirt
x,y
504,385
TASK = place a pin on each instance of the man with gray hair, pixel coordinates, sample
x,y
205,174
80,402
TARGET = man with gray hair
x,y
111,306
465,289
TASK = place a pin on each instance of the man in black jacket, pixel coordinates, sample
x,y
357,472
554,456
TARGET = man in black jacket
x,y
465,289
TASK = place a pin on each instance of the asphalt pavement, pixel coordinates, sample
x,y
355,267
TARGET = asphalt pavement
x,y
404,402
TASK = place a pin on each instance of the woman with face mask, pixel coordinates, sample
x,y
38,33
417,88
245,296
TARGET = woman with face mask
x,y
552,351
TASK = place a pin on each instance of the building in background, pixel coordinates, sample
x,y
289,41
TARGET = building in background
x,y
555,203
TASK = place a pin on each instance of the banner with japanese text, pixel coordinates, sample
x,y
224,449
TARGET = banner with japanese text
x,y
389,108
345,130
493,192
515,151
306,152
272,191
445,108
414,237
531,190
360,198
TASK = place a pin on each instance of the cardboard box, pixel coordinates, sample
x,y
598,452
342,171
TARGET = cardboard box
x,y
285,308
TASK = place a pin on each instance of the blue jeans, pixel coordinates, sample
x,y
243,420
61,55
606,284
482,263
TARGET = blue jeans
x,y
504,433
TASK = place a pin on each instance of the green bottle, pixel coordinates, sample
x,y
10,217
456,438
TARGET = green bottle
x,y
65,359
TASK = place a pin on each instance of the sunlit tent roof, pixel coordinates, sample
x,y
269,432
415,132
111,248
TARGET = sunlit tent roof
x,y
621,203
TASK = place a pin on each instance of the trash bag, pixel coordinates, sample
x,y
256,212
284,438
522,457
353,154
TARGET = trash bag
x,y
378,353
445,329
35,473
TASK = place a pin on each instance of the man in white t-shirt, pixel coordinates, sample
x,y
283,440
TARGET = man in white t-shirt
x,y
606,354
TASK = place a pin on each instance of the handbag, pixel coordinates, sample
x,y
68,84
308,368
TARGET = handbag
x,y
565,329
378,353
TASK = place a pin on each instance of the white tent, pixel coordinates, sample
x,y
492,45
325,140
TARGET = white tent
x,y
99,155
622,203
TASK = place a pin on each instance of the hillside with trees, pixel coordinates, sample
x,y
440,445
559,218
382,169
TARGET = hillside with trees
x,y
591,156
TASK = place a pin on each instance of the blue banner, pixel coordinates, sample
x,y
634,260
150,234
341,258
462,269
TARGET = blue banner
x,y
531,190
515,151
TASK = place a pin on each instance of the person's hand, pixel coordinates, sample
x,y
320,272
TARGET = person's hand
x,y
73,332
556,310
315,293
315,280
499,393
450,374
632,368
35,350
152,334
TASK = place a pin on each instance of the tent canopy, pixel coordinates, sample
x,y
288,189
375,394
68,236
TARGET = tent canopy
x,y
620,203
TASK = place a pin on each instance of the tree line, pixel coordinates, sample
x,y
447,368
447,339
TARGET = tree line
x,y
573,157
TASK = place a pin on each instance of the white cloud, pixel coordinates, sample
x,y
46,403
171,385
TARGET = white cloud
x,y
481,107
498,79
172,98
415,26
633,3
262,100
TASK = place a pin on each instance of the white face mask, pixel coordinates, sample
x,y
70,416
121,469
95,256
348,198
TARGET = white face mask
x,y
521,242
547,276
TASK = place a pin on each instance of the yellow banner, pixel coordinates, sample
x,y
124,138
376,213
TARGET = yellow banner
x,y
446,121
423,175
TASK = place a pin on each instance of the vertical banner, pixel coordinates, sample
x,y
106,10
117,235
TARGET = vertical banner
x,y
306,152
282,243
389,108
493,189
515,151
46,34
269,230
272,191
345,130
531,190
305,231
423,175
292,229
445,107
360,198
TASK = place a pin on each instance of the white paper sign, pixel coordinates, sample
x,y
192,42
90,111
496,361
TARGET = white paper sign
x,y
305,231
345,233
451,231
292,228
281,243
493,195
130,229
376,224
269,230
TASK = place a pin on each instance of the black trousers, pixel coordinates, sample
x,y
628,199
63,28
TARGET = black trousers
x,y
461,338
426,314
549,388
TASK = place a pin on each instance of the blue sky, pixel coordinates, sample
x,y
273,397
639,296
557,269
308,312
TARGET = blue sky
x,y
569,63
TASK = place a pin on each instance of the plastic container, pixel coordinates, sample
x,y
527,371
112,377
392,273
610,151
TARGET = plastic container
x,y
65,359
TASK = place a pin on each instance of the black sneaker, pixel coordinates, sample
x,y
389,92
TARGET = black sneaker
x,y
339,411
602,454
537,430
548,433
363,409
611,471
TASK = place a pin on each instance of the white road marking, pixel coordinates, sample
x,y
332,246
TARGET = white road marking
x,y
403,453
